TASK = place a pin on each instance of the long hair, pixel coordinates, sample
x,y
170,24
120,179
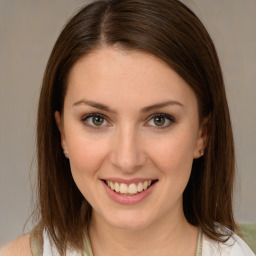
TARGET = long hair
x,y
173,33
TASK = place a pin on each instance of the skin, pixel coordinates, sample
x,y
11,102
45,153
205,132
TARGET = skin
x,y
19,247
128,144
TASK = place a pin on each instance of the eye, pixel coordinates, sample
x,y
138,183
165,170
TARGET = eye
x,y
161,120
95,120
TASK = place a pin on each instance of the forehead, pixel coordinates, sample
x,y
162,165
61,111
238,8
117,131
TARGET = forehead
x,y
126,76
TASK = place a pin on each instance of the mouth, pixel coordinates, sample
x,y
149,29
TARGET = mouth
x,y
131,189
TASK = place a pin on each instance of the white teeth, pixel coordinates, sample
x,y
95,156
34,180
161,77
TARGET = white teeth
x,y
112,185
117,187
140,187
123,188
132,189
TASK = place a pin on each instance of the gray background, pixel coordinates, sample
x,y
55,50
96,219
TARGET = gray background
x,y
28,30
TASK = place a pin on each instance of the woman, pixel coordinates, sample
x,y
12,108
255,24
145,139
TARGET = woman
x,y
135,146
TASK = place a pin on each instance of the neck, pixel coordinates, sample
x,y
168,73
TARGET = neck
x,y
167,236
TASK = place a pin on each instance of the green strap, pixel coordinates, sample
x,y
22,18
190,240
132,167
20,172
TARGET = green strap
x,y
36,241
87,245
199,243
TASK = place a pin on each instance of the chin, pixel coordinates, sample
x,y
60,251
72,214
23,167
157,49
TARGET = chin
x,y
130,221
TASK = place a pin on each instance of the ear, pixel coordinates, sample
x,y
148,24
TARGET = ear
x,y
202,137
59,124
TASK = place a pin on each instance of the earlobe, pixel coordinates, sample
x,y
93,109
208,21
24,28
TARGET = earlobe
x,y
201,151
62,134
202,139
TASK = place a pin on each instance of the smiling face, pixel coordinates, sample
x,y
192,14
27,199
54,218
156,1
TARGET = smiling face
x,y
130,127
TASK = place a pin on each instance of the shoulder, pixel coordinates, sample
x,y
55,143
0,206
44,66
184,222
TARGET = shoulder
x,y
19,247
234,246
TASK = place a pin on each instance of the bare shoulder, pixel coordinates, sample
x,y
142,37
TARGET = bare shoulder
x,y
18,247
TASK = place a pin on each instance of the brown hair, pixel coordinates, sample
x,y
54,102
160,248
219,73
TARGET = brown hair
x,y
173,33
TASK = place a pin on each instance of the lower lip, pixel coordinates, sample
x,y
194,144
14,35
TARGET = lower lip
x,y
129,199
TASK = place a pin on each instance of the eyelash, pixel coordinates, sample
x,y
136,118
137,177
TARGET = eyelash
x,y
167,117
85,120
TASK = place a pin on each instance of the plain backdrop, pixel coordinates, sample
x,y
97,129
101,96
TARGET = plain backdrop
x,y
28,30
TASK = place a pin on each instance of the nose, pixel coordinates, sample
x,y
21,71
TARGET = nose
x,y
127,151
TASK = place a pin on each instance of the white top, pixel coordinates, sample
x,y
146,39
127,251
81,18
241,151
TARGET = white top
x,y
235,246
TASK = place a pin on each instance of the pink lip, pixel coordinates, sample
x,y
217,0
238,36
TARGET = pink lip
x,y
128,199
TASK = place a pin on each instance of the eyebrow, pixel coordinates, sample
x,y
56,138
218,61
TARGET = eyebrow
x,y
94,105
143,110
161,105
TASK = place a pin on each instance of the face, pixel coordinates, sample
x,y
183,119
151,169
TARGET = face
x,y
130,127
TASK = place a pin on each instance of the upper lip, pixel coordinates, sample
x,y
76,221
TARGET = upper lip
x,y
128,181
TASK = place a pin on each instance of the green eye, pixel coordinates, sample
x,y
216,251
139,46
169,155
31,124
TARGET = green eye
x,y
159,120
97,120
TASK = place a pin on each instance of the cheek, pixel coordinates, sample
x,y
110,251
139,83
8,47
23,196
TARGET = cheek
x,y
173,157
85,154
174,154
86,158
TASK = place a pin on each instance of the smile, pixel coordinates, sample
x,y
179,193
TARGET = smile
x,y
131,189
